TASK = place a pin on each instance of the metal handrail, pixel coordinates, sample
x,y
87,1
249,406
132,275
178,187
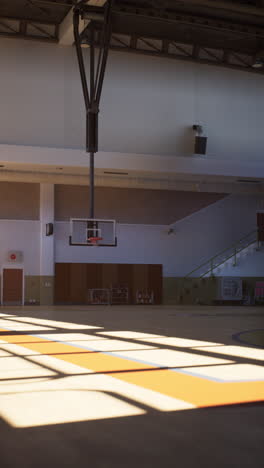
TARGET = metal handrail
x,y
234,245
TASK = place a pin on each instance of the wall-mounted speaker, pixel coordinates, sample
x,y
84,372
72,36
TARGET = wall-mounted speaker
x,y
49,229
200,145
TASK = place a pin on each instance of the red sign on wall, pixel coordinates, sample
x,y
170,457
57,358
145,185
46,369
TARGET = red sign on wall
x,y
15,256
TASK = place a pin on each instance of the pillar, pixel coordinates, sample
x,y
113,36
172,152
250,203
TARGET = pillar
x,y
46,244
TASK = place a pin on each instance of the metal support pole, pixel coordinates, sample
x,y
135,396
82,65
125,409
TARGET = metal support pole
x,y
92,134
92,96
91,185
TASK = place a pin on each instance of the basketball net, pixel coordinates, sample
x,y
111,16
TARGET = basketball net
x,y
94,241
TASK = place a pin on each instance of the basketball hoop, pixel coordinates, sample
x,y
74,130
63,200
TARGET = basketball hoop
x,y
91,232
94,241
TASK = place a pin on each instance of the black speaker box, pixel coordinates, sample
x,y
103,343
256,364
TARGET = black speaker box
x,y
49,229
200,145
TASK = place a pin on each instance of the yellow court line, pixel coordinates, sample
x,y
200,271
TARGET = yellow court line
x,y
196,390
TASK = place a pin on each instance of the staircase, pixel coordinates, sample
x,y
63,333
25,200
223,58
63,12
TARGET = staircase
x,y
200,285
209,267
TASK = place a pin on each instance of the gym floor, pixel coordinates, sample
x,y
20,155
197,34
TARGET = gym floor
x,y
126,386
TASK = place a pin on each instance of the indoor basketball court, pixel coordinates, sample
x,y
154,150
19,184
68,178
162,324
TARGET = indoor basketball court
x,y
132,233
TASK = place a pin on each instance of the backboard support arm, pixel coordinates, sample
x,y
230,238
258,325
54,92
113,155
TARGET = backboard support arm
x,y
97,70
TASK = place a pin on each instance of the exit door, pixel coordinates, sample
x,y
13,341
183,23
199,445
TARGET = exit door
x,y
12,286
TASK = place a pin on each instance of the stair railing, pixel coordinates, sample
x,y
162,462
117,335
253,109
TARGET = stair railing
x,y
231,252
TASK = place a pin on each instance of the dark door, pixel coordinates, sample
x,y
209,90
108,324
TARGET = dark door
x,y
12,286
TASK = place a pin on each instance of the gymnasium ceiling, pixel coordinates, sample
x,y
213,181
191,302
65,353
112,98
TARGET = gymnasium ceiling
x,y
227,33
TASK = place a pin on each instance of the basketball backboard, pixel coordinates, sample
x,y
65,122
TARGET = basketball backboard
x,y
93,232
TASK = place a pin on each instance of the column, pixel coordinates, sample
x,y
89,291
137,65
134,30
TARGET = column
x,y
46,244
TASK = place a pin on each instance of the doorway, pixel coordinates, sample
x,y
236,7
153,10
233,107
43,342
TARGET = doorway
x,y
12,293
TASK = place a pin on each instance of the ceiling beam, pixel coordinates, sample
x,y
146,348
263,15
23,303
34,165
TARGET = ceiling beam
x,y
26,29
221,5
217,57
130,20
160,32
56,3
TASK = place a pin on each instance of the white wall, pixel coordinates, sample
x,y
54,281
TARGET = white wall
x,y
196,238
211,230
136,244
23,236
148,104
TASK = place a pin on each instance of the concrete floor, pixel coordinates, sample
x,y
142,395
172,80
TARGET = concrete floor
x,y
81,388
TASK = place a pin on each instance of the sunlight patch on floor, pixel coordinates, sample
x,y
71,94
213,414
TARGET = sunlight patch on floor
x,y
63,406
58,365
70,337
94,342
160,339
55,323
18,350
179,342
30,403
4,353
17,326
230,372
113,345
54,379
238,351
14,367
7,315
22,383
170,358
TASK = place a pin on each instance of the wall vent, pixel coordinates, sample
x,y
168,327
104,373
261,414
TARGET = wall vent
x,y
249,181
115,173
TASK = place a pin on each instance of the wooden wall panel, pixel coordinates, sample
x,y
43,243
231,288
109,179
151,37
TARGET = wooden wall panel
x,y
155,282
78,283
62,283
109,275
94,275
72,281
125,278
140,278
